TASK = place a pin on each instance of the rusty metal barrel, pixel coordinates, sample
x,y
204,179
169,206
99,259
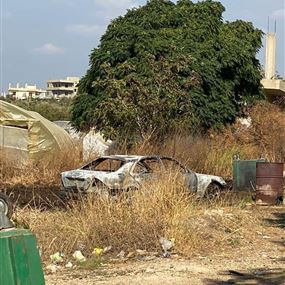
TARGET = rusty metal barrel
x,y
269,183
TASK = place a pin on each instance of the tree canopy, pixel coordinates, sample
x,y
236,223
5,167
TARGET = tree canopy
x,y
169,65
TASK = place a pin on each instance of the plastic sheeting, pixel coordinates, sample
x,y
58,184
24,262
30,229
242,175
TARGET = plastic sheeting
x,y
27,134
94,144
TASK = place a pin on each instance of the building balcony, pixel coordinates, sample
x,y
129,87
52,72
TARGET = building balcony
x,y
61,88
273,88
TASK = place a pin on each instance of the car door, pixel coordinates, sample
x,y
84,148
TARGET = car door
x,y
146,169
174,168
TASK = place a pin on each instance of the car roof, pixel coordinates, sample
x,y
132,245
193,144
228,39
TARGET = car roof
x,y
128,157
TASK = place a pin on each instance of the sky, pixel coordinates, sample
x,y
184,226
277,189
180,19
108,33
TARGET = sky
x,y
52,39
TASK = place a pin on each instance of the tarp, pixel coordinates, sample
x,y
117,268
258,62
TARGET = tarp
x,y
94,144
28,135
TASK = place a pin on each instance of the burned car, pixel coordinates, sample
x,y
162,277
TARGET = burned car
x,y
6,206
128,172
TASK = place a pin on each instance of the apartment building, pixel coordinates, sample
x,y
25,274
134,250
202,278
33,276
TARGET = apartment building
x,y
61,88
26,92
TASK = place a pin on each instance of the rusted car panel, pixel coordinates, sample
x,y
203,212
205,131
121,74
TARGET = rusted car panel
x,y
129,172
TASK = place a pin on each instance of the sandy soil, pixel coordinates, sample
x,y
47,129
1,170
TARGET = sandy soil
x,y
261,262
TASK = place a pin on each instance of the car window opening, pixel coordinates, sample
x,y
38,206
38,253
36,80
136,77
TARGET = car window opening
x,y
105,165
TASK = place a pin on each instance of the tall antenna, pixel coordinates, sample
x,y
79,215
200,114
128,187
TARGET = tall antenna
x,y
275,27
268,24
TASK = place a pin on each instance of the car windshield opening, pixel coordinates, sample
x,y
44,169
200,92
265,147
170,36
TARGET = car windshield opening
x,y
152,165
104,164
172,165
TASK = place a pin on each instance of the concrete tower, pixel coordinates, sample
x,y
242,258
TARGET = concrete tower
x,y
270,56
274,87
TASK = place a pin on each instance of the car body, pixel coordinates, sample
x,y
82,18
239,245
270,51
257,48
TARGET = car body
x,y
6,206
124,172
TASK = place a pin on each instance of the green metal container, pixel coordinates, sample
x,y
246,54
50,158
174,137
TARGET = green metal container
x,y
244,174
19,259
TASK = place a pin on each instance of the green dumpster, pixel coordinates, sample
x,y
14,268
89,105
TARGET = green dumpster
x,y
19,257
244,174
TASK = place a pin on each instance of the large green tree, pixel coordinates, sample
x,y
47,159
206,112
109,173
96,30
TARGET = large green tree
x,y
165,66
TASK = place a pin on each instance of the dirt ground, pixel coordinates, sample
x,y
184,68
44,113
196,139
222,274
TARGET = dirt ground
x,y
261,262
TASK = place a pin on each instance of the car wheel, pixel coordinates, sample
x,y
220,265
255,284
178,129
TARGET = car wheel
x,y
213,191
6,205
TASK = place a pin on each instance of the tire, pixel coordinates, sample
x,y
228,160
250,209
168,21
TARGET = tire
x,y
214,191
6,205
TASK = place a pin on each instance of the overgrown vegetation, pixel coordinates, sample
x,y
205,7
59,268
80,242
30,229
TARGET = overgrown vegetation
x,y
168,66
51,109
164,209
211,153
162,75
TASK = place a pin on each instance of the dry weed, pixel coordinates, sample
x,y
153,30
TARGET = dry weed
x,y
212,153
165,208
135,222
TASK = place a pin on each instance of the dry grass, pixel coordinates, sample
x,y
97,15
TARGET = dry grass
x,y
164,209
213,152
45,171
208,153
36,184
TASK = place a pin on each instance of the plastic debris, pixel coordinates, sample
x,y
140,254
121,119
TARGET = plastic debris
x,y
57,257
121,254
78,256
94,143
166,245
69,265
107,249
98,251
52,268
166,255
